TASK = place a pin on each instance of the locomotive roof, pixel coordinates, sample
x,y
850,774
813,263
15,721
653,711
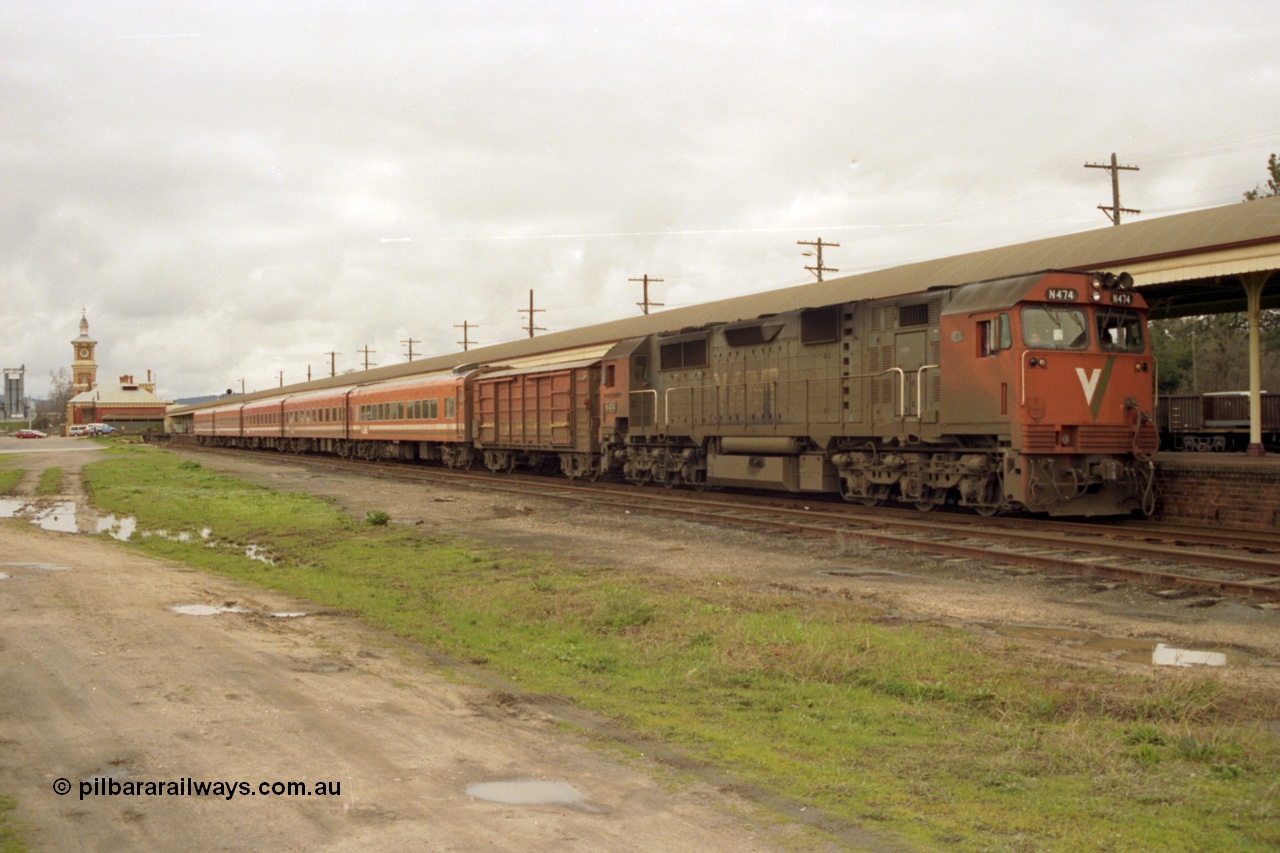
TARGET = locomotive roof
x,y
1106,247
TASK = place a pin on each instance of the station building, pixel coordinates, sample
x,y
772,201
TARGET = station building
x,y
128,405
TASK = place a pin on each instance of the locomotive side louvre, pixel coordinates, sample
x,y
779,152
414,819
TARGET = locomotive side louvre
x,y
893,376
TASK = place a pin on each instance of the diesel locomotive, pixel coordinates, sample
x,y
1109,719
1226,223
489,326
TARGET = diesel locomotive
x,y
1029,393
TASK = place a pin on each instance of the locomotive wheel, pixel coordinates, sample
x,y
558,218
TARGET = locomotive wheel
x,y
874,495
931,499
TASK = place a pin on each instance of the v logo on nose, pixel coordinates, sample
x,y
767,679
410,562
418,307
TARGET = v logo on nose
x,y
1089,384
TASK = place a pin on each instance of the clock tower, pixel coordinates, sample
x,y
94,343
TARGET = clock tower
x,y
84,370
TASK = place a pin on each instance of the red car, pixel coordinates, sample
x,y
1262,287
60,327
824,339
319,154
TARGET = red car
x,y
28,433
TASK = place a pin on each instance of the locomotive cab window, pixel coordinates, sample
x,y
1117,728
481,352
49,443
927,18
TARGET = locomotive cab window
x,y
1119,330
1054,327
994,335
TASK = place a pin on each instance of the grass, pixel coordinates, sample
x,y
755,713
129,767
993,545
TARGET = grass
x,y
50,482
10,828
919,731
9,478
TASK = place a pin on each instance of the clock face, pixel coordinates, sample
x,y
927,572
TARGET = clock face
x,y
84,352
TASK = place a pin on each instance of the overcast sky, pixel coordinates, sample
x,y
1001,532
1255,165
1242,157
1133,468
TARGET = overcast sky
x,y
233,189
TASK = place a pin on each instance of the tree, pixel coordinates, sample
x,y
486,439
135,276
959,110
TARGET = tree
x,y
1211,353
53,410
1273,185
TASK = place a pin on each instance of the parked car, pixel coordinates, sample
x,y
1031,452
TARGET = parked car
x,y
101,429
78,429
28,433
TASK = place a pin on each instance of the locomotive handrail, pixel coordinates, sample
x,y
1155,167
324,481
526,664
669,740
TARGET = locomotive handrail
x,y
902,385
654,392
1022,379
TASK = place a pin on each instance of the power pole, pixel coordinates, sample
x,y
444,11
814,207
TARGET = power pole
x,y
366,352
281,374
531,311
466,341
645,305
333,364
1113,212
817,244
308,373
411,342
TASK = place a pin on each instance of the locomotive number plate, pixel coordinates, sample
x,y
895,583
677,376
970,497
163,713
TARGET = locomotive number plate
x,y
1122,299
1061,294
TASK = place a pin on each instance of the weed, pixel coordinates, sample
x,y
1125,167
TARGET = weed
x,y
1193,749
376,518
50,482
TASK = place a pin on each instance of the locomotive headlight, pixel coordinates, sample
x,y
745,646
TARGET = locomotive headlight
x,y
1096,296
1044,363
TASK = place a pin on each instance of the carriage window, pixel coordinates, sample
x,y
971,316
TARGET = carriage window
x,y
1051,327
448,407
1119,330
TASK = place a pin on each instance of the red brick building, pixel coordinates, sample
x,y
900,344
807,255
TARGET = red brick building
x,y
129,406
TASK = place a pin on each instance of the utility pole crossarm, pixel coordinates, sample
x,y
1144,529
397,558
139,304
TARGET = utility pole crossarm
x,y
531,311
646,304
818,244
466,341
1113,212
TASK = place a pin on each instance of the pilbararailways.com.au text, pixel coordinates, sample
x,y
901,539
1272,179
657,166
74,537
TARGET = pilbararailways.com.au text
x,y
188,787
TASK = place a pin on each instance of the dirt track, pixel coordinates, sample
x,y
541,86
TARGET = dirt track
x,y
102,679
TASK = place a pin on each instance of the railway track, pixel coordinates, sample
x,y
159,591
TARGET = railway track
x,y
1175,562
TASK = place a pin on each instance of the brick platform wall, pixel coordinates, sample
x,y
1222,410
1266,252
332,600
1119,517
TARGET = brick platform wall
x,y
1225,491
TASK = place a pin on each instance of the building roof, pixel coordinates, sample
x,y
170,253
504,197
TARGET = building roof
x,y
1249,229
118,395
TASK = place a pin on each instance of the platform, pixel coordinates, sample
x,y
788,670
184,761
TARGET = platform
x,y
1224,490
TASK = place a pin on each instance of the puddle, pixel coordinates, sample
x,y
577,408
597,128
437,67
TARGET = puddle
x,y
68,517
206,609
35,567
256,552
531,792
1151,652
287,615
